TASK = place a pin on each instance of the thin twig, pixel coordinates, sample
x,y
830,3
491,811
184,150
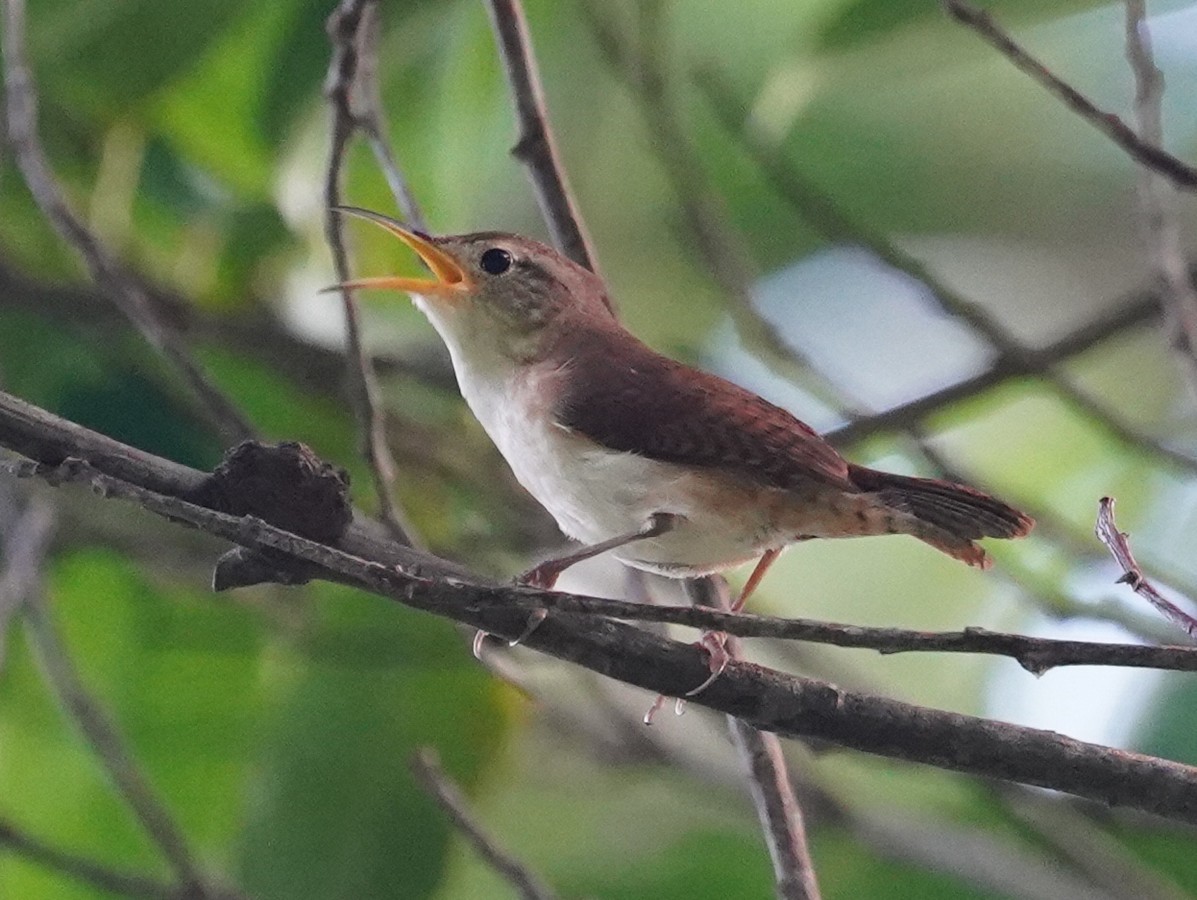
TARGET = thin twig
x,y
789,705
109,747
122,288
536,147
773,795
345,32
1142,151
715,245
371,121
1119,547
83,869
1157,198
1013,359
24,540
448,796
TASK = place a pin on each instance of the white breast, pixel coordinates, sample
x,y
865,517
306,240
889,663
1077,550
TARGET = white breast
x,y
596,493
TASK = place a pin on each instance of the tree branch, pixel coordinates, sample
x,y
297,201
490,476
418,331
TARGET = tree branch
x,y
1157,199
345,31
448,796
1119,547
536,147
769,700
1141,151
773,794
122,288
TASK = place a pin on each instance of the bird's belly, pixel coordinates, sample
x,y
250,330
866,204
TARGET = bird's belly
x,y
596,493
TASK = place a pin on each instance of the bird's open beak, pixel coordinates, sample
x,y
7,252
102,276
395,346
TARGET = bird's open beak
x,y
450,278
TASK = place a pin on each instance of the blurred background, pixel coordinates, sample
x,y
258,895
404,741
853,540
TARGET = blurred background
x,y
759,179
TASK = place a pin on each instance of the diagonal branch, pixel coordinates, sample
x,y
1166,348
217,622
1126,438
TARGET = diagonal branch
x,y
122,288
448,796
1119,547
1138,148
536,147
345,30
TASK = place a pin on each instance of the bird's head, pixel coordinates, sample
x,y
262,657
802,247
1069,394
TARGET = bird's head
x,y
492,290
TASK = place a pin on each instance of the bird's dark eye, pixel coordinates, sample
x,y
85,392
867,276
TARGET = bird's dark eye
x,y
495,261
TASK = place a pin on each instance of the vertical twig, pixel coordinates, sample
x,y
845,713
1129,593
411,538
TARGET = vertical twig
x,y
768,777
536,147
1157,198
345,32
123,288
448,796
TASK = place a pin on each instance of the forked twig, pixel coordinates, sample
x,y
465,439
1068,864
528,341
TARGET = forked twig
x,y
1119,546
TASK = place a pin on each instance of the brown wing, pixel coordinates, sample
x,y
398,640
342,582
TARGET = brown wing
x,y
642,402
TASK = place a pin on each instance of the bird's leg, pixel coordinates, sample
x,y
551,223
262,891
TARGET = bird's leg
x,y
758,573
713,641
546,574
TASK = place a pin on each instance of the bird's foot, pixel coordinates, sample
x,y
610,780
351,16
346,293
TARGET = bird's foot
x,y
715,644
534,620
543,576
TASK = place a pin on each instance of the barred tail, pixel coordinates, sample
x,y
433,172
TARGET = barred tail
x,y
946,515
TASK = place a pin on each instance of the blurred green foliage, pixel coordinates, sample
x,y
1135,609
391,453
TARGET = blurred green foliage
x,y
276,723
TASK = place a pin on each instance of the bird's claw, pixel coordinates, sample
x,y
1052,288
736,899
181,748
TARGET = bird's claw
x,y
543,576
714,643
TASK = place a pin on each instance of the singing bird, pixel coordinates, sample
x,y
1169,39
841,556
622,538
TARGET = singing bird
x,y
672,469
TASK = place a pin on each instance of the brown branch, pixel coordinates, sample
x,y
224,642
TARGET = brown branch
x,y
345,32
122,288
448,796
536,147
773,794
766,699
1157,199
1142,151
1119,547
85,870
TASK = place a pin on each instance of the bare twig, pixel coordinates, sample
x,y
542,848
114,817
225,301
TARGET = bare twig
x,y
766,699
85,870
536,147
1157,198
108,745
1108,533
370,120
1142,151
121,287
715,246
448,796
773,794
345,31
24,540
1013,359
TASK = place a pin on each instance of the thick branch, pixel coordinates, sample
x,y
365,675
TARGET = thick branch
x,y
121,287
769,700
